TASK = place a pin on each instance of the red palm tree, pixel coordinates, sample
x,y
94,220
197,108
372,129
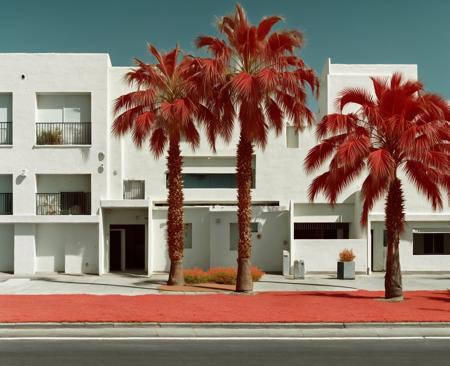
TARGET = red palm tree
x,y
161,110
400,128
255,76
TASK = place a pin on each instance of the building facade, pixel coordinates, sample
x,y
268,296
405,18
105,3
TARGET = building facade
x,y
75,199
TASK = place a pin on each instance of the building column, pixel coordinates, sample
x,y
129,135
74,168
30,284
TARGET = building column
x,y
24,249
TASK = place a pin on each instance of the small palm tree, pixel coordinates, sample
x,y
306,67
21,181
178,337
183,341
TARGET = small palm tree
x,y
162,109
253,75
400,128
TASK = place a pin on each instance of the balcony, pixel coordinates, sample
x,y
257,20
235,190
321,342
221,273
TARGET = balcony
x,y
63,203
5,203
5,133
63,133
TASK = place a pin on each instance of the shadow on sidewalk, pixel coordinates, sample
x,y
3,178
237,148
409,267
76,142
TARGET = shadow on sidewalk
x,y
54,280
307,284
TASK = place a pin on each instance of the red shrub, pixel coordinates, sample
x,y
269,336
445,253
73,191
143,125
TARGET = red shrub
x,y
225,275
195,275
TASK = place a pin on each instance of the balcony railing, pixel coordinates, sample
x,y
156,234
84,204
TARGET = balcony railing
x,y
63,133
5,133
133,189
63,203
5,203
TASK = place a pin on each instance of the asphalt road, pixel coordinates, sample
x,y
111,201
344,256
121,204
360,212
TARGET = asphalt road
x,y
430,352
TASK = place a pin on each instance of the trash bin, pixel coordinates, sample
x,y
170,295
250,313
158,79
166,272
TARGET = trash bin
x,y
286,263
299,269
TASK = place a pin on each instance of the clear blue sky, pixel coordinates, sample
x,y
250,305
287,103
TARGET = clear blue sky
x,y
348,31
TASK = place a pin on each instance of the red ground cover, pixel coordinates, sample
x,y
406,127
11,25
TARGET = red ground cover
x,y
358,306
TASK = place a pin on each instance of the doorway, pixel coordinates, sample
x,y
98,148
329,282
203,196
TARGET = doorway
x,y
127,248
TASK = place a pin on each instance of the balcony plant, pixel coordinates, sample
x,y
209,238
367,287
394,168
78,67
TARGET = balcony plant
x,y
346,265
50,137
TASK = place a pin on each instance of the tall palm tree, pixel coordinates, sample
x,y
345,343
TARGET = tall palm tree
x,y
253,75
162,109
399,128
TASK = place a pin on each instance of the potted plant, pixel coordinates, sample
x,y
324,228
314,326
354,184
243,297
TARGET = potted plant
x,y
346,265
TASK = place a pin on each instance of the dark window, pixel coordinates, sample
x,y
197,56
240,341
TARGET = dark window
x,y
219,180
133,189
318,230
431,243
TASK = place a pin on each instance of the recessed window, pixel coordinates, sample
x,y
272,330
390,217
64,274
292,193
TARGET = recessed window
x,y
187,236
210,180
292,137
319,230
5,118
63,119
431,243
133,189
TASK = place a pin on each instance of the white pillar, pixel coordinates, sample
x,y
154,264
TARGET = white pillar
x,y
149,240
101,243
24,249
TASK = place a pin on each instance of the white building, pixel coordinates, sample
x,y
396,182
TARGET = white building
x,y
75,199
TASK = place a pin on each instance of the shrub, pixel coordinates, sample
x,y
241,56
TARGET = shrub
x,y
224,275
195,275
346,255
256,274
221,275
50,137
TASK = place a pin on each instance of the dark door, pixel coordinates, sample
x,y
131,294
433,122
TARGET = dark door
x,y
135,247
114,250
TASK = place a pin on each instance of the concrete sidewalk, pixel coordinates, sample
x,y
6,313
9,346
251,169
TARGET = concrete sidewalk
x,y
131,284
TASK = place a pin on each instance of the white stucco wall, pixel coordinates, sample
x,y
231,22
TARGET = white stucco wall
x,y
69,248
322,255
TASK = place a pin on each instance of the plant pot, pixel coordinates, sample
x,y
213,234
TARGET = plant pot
x,y
346,270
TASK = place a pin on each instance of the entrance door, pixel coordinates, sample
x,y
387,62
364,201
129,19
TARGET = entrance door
x,y
135,247
127,248
115,243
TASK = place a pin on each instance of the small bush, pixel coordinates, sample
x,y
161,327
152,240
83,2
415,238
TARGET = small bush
x,y
195,275
224,275
346,255
256,274
221,275
50,137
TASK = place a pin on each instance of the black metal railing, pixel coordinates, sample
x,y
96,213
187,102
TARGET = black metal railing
x,y
5,203
63,133
63,203
133,189
5,133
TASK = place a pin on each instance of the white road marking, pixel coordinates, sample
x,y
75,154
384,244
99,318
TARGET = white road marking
x,y
200,338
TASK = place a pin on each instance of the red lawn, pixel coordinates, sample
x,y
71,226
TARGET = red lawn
x,y
308,307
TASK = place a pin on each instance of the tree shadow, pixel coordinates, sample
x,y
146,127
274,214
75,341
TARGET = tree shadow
x,y
55,280
308,284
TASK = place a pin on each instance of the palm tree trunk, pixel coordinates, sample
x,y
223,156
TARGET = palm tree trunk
x,y
394,226
175,214
244,282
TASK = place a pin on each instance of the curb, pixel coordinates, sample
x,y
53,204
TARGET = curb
x,y
107,325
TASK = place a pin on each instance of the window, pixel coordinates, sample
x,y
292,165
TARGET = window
x,y
318,230
431,243
291,137
234,233
187,238
133,189
5,118
210,180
